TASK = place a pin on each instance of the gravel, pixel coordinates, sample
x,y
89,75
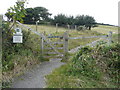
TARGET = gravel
x,y
35,78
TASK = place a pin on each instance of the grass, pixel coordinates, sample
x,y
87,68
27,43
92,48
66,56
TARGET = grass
x,y
29,56
74,74
105,29
20,57
89,68
47,29
72,33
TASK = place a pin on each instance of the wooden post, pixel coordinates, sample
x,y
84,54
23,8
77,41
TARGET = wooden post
x,y
36,25
65,38
1,19
75,27
56,27
109,38
42,46
68,26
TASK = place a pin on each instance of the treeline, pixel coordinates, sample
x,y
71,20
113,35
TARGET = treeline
x,y
43,16
80,20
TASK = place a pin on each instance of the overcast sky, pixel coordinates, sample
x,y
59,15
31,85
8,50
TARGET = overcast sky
x,y
104,11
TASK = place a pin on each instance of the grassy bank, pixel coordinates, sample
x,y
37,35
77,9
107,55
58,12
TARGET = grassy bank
x,y
96,67
90,68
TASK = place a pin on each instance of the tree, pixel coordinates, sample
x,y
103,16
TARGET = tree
x,y
28,19
88,21
80,20
61,19
17,12
40,14
70,20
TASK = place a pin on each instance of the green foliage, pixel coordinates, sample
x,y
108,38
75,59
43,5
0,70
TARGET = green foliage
x,y
84,64
88,21
88,62
17,12
90,67
40,14
61,19
11,50
79,20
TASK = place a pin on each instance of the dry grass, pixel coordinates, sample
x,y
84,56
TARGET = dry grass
x,y
105,29
72,33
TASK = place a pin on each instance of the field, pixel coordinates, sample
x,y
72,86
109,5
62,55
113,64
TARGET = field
x,y
100,30
105,29
52,29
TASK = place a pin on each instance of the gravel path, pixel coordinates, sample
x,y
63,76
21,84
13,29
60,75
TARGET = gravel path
x,y
35,78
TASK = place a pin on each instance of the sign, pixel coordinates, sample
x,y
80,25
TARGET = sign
x,y
18,36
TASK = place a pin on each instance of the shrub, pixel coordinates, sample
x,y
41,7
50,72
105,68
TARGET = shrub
x,y
94,62
10,49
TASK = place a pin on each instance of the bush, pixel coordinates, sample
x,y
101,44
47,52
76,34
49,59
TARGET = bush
x,y
10,49
93,63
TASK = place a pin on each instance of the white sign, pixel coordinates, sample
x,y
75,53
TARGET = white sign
x,y
18,36
17,39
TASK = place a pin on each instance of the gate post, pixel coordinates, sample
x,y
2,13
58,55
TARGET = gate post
x,y
65,42
42,47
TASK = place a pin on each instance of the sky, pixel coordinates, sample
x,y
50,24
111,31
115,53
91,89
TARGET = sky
x,y
104,11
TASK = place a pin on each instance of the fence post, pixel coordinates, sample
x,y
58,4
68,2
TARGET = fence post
x,y
68,26
42,47
1,19
109,38
75,27
36,25
56,27
65,38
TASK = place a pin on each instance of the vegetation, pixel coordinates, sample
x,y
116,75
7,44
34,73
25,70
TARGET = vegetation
x,y
17,57
15,13
105,29
40,14
96,67
72,33
80,20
